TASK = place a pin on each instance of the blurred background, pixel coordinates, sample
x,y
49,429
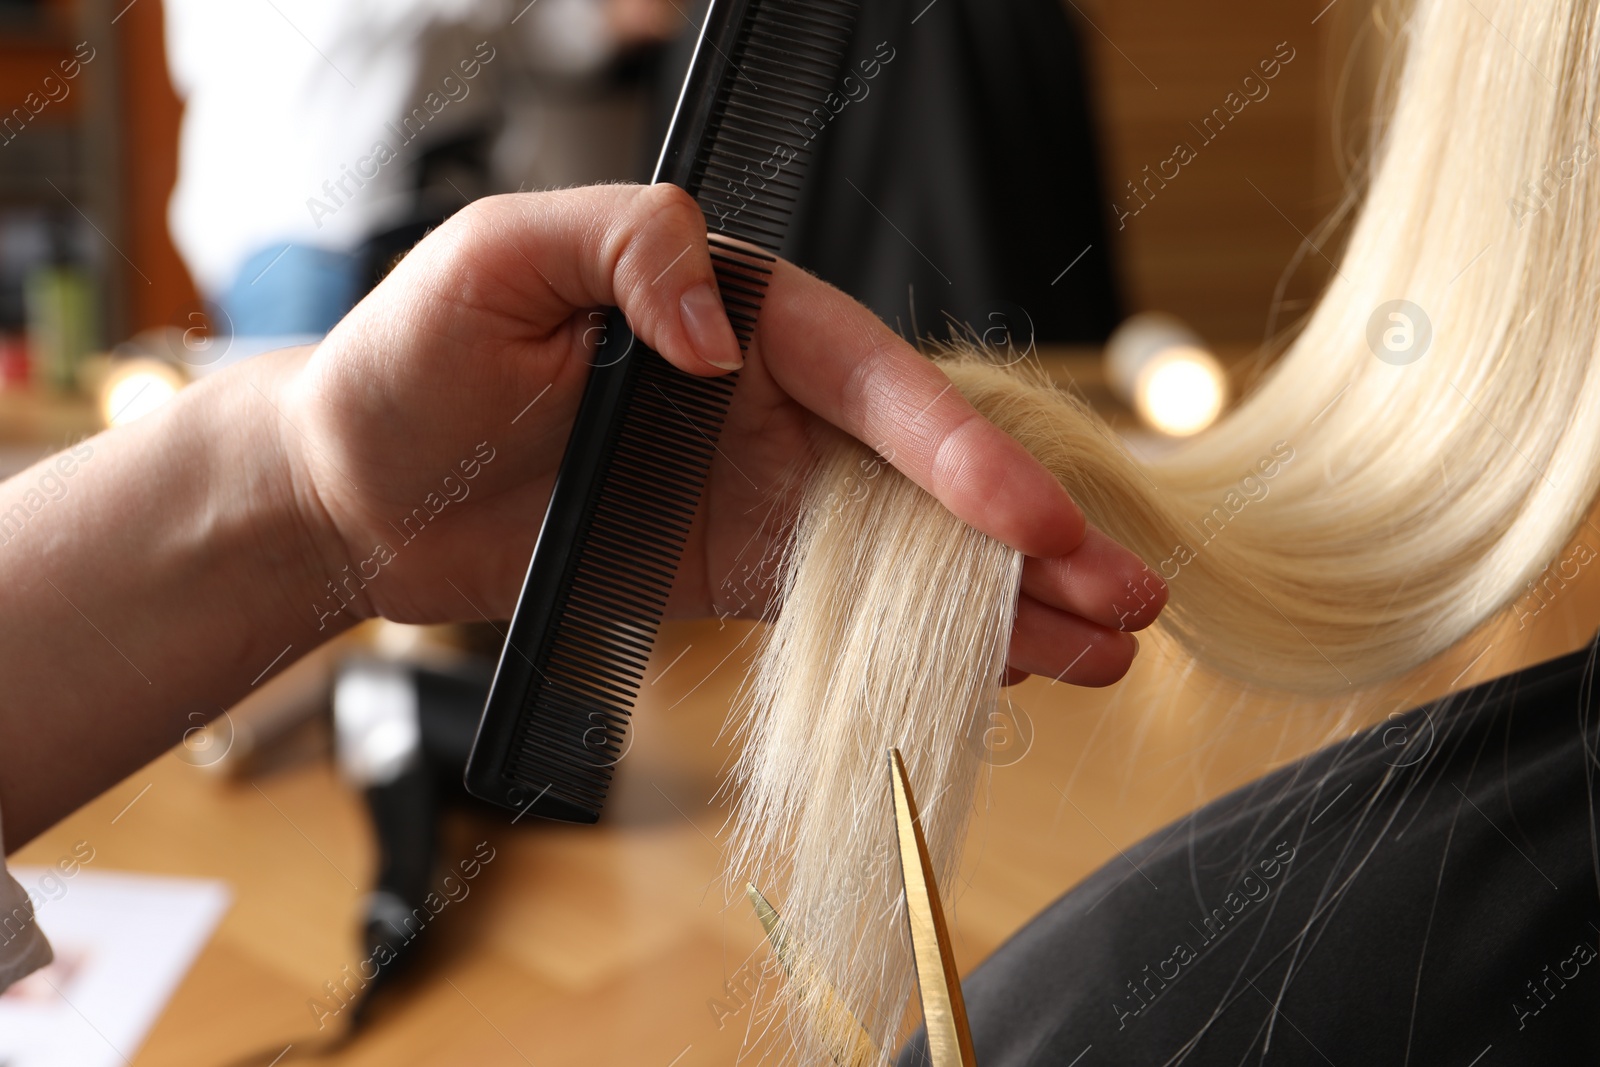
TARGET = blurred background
x,y
1137,195
195,182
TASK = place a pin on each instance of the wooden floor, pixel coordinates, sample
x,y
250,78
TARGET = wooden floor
x,y
613,944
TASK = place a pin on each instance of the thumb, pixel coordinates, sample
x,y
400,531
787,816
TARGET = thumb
x,y
664,283
640,247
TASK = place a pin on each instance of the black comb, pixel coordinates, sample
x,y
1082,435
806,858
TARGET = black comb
x,y
629,483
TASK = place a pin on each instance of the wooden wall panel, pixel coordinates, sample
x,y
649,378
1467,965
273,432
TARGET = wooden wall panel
x,y
119,161
1213,244
150,116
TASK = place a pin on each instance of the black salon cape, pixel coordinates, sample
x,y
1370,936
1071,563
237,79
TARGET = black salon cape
x,y
954,183
960,190
1422,894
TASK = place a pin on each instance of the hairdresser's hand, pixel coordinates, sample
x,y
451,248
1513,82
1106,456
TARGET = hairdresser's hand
x,y
427,427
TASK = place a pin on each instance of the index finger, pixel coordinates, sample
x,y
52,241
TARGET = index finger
x,y
840,361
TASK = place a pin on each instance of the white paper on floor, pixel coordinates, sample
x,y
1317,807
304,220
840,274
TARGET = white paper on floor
x,y
122,942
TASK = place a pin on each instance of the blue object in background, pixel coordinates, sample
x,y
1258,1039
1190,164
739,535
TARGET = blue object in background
x,y
291,290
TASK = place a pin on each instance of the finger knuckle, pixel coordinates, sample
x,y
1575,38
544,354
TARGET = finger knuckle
x,y
458,247
869,381
669,206
952,459
656,218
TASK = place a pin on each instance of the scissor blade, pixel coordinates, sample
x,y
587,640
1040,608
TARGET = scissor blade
x,y
855,1048
944,1013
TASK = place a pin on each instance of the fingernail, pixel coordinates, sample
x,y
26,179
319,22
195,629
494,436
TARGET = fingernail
x,y
1135,644
706,323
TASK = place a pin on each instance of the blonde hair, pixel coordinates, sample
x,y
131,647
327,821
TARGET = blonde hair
x,y
1368,508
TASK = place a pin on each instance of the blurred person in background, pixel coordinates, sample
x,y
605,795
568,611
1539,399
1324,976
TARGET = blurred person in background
x,y
321,138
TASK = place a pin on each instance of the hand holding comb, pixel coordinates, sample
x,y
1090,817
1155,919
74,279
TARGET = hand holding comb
x,y
645,432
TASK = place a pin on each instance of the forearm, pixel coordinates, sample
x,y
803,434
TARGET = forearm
x,y
151,579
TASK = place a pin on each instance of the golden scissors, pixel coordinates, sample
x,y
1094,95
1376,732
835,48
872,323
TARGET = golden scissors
x,y
944,1013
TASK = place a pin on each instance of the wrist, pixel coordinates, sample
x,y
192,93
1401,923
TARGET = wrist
x,y
292,529
173,574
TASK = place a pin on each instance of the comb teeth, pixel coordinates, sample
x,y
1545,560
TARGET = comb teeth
x,y
746,176
742,276
589,672
645,434
766,116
